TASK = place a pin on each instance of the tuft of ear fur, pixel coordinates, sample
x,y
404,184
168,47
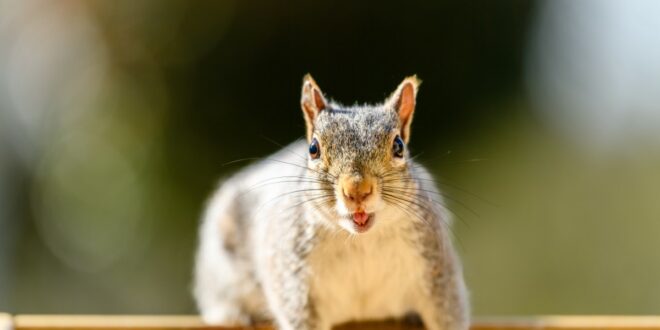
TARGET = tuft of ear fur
x,y
312,103
403,102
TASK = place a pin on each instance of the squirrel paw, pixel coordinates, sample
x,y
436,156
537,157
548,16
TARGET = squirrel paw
x,y
413,319
225,315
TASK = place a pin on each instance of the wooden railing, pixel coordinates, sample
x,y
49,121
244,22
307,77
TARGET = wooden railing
x,y
92,322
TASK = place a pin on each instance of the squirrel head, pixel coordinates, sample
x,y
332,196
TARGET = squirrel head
x,y
357,152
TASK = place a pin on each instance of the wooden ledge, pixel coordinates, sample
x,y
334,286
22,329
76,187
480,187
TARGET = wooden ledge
x,y
6,322
99,322
592,322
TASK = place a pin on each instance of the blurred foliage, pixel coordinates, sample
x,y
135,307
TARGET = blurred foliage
x,y
119,116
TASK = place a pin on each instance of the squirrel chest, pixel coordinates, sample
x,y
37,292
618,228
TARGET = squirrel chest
x,y
357,279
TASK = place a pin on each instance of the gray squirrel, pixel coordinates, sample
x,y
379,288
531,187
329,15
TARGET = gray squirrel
x,y
343,226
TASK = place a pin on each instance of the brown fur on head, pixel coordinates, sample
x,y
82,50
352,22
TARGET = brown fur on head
x,y
356,144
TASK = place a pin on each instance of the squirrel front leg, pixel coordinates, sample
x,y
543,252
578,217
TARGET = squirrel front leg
x,y
287,281
446,308
444,305
289,296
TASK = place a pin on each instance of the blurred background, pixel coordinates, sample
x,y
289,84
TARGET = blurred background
x,y
541,121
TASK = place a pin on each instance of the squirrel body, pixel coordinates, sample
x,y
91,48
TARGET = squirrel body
x,y
342,226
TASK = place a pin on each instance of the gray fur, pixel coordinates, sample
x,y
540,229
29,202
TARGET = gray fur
x,y
271,247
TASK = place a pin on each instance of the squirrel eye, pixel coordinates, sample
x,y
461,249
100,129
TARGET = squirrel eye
x,y
314,150
397,147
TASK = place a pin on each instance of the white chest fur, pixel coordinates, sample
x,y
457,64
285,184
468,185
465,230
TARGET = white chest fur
x,y
372,276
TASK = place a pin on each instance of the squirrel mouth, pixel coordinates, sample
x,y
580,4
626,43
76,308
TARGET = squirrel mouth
x,y
362,221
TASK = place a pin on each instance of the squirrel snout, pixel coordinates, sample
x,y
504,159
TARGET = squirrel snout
x,y
355,195
357,190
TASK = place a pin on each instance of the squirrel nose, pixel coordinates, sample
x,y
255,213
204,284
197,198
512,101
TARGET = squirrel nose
x,y
358,191
356,195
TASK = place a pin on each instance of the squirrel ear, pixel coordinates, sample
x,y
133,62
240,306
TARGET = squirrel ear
x,y
312,102
403,102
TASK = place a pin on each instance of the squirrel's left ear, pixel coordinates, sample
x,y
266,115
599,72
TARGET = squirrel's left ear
x,y
312,103
403,102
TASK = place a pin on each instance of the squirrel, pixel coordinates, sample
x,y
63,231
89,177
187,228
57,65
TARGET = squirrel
x,y
341,226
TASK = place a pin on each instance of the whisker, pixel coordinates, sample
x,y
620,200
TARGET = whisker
x,y
415,156
305,167
472,160
414,199
281,162
410,200
412,191
443,222
443,183
314,198
298,191
262,185
289,179
283,147
240,160
405,208
299,177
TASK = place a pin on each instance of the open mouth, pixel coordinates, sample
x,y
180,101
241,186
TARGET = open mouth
x,y
362,221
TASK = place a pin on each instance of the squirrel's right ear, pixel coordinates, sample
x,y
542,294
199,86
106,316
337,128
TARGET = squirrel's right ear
x,y
312,103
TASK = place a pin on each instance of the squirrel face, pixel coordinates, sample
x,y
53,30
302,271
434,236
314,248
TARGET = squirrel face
x,y
356,152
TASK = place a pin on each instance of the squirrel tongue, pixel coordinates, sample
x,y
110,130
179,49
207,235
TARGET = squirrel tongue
x,y
360,217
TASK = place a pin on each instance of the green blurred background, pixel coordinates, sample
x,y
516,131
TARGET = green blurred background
x,y
541,121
